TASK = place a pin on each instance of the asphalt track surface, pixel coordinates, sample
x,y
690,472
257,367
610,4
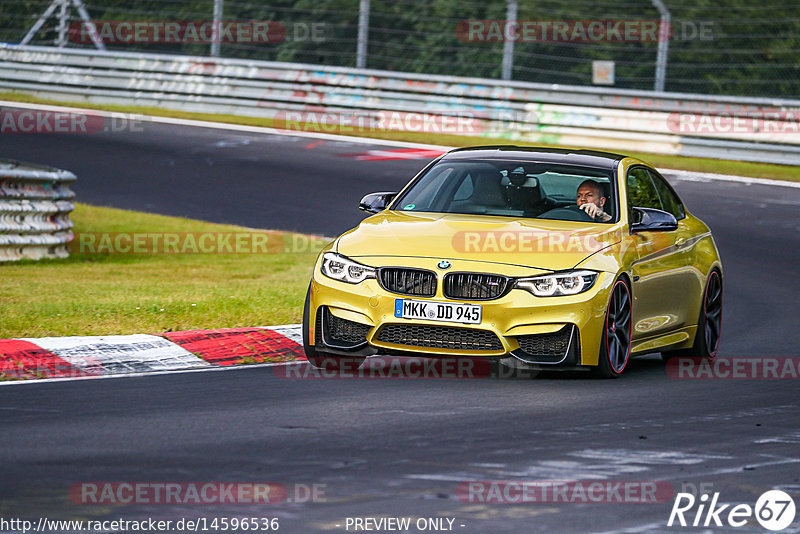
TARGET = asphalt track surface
x,y
400,447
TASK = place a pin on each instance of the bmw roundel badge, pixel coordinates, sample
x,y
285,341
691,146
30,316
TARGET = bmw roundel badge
x,y
444,264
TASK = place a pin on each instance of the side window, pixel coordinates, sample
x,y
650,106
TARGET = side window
x,y
668,198
641,191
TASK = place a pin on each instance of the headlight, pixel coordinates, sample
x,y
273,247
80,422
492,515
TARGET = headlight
x,y
341,268
552,285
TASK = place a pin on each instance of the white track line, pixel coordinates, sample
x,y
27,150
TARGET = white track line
x,y
690,176
227,126
680,174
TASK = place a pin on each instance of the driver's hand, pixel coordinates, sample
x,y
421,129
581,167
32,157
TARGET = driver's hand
x,y
595,212
591,209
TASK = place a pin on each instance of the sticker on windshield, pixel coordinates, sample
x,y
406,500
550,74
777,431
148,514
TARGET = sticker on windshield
x,y
409,206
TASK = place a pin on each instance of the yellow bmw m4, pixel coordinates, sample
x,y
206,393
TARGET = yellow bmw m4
x,y
537,258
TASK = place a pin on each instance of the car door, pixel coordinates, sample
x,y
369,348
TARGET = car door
x,y
689,279
661,270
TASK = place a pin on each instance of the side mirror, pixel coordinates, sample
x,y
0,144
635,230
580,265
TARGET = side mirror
x,y
376,202
652,220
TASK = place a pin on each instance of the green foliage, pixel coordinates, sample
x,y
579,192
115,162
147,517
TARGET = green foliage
x,y
734,47
96,293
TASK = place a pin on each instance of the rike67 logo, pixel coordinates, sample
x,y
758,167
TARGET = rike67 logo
x,y
774,510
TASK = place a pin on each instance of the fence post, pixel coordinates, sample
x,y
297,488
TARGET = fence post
x,y
508,44
61,41
63,16
215,32
363,34
663,45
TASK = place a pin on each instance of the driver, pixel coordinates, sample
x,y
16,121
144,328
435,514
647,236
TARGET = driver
x,y
591,200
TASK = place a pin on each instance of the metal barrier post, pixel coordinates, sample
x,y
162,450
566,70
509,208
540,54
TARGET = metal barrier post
x,y
663,45
508,45
363,34
215,44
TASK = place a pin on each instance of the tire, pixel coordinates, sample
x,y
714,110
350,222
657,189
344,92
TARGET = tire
x,y
709,323
321,359
615,347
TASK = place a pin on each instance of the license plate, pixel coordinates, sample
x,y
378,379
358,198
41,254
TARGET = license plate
x,y
450,312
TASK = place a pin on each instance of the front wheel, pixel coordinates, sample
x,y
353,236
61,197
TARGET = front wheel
x,y
321,359
709,324
615,348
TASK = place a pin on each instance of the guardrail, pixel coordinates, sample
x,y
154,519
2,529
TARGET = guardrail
x,y
753,129
34,211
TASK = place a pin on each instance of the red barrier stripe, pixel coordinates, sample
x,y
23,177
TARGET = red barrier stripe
x,y
20,360
232,346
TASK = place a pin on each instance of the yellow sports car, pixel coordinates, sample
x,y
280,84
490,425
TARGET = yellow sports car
x,y
537,258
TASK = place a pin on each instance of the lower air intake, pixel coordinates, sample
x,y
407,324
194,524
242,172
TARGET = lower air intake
x,y
340,332
439,337
547,348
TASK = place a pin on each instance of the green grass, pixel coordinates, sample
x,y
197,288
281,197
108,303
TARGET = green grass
x,y
98,294
741,168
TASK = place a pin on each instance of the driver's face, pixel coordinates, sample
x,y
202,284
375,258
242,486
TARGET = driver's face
x,y
587,194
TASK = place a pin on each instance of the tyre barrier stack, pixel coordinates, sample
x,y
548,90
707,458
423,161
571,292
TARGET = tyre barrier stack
x,y
35,203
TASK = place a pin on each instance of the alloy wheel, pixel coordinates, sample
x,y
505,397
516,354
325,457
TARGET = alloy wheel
x,y
712,306
618,327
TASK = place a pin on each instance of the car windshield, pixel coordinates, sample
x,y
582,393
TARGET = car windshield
x,y
512,189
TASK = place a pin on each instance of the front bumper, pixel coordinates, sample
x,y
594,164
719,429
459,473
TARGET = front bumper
x,y
358,320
